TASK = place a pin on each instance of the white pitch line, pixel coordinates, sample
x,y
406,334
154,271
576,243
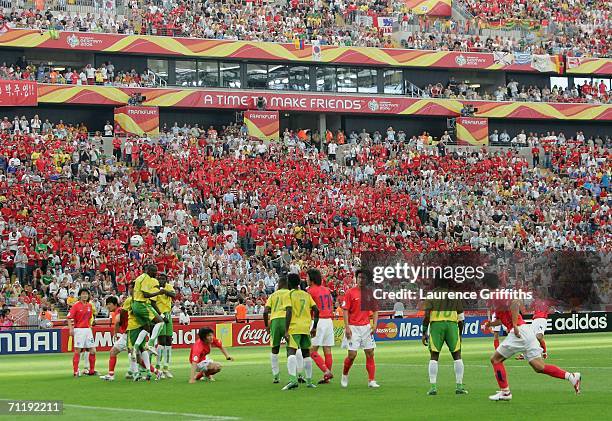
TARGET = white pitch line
x,y
152,412
479,366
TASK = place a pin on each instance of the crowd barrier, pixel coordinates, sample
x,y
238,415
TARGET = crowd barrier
x,y
253,333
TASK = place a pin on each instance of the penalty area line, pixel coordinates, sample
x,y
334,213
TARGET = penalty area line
x,y
153,412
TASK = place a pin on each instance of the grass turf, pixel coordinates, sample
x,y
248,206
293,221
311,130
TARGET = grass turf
x,y
244,388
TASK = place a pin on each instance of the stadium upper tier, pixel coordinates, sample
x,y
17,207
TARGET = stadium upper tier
x,y
303,53
552,26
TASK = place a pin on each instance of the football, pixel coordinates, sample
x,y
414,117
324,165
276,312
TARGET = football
x,y
136,241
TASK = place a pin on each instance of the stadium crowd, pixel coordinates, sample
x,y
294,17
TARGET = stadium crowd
x,y
223,215
555,27
105,74
591,92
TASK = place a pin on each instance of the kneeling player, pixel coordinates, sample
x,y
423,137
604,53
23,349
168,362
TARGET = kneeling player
x,y
201,365
521,338
297,326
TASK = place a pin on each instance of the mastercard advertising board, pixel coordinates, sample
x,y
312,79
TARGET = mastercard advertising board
x,y
412,329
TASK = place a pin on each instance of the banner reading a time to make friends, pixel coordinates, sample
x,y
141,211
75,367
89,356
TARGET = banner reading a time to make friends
x,y
317,102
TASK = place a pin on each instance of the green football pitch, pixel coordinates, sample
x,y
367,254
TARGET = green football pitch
x,y
244,388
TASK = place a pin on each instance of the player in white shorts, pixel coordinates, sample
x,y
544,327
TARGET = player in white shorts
x,y
83,337
361,338
325,327
80,319
521,338
358,332
119,319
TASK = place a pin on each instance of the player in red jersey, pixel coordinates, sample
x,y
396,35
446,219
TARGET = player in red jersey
x,y
541,308
119,317
358,333
201,365
80,320
495,329
325,328
521,338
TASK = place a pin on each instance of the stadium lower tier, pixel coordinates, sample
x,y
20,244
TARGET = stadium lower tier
x,y
95,118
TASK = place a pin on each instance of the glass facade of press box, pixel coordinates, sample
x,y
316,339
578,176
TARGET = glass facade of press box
x,y
186,73
279,76
393,81
160,67
257,76
230,75
208,74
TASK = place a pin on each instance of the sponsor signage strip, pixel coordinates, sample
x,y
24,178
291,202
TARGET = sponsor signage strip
x,y
563,323
255,334
30,341
327,103
412,329
241,50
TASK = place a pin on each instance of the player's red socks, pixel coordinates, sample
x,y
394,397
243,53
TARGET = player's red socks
x,y
318,361
76,357
112,362
371,367
495,343
328,361
500,375
348,363
199,375
554,371
92,363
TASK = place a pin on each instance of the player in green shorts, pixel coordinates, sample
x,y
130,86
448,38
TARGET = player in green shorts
x,y
138,353
297,326
147,287
444,321
164,340
274,320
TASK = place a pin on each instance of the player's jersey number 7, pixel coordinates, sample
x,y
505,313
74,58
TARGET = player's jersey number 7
x,y
302,306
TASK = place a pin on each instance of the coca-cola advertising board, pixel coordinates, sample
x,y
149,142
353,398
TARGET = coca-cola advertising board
x,y
254,333
250,334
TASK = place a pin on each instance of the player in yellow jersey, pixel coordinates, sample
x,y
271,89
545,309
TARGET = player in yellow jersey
x,y
297,326
136,333
145,310
444,318
274,320
164,340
